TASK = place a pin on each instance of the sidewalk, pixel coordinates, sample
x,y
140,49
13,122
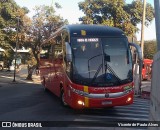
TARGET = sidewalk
x,y
146,89
6,77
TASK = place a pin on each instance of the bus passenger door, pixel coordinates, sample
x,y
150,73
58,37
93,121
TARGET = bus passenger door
x,y
57,63
58,73
51,76
45,65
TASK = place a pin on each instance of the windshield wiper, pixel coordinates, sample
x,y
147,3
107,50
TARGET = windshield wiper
x,y
97,72
106,58
91,59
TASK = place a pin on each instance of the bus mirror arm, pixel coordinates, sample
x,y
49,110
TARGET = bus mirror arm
x,y
69,58
68,52
139,52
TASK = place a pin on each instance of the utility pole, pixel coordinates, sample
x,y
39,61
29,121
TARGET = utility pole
x,y
142,27
17,40
157,21
52,3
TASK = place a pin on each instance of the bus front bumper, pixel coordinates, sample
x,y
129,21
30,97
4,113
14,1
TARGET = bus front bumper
x,y
80,102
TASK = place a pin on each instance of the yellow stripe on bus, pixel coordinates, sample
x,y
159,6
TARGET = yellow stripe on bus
x,y
86,89
86,100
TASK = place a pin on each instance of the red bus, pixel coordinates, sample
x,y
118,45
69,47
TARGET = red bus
x,y
146,69
88,66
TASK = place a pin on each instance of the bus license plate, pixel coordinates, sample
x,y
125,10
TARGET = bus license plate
x,y
106,102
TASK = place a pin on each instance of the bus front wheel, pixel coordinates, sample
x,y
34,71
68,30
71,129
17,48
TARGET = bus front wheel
x,y
63,98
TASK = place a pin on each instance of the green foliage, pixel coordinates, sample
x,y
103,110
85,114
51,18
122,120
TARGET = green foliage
x,y
10,11
116,13
44,22
150,48
16,27
135,10
58,5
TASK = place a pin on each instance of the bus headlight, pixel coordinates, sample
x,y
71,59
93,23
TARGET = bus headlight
x,y
80,102
129,99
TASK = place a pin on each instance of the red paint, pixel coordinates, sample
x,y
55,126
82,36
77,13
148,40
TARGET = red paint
x,y
147,69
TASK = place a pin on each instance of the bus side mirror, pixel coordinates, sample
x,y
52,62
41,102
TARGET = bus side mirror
x,y
68,52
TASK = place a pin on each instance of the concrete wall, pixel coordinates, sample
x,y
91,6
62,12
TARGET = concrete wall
x,y
155,92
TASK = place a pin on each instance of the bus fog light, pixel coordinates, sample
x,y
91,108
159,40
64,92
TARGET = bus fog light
x,y
129,99
80,102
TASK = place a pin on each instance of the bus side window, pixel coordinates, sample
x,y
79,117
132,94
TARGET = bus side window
x,y
44,54
51,52
57,48
65,38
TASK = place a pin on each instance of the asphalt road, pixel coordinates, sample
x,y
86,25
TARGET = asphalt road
x,y
29,102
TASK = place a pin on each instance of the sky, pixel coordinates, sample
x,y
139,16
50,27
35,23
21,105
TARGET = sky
x,y
71,12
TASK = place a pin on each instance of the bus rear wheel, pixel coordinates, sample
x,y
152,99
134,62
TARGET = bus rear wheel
x,y
62,98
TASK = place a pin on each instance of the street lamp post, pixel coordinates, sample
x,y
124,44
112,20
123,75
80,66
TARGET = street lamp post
x,y
142,27
17,40
157,22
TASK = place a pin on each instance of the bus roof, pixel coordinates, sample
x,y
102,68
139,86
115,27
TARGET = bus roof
x,y
94,30
147,60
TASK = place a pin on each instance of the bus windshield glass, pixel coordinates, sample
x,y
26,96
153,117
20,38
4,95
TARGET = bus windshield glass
x,y
101,61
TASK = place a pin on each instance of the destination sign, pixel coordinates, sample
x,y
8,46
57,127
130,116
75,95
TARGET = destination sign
x,y
87,40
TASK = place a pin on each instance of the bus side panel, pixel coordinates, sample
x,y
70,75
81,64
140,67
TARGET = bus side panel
x,y
66,85
44,72
56,77
52,78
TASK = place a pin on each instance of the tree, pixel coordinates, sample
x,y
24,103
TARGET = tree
x,y
44,22
150,48
115,13
10,11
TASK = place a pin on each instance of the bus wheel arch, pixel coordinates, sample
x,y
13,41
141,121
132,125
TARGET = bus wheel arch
x,y
62,96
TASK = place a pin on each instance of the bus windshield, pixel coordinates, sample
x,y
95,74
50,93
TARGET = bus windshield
x,y
101,61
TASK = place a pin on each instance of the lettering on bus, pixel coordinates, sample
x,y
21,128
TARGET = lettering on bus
x,y
87,40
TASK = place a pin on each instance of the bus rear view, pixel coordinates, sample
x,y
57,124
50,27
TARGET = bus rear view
x,y
96,67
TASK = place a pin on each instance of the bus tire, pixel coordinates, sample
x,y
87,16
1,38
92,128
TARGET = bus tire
x,y
62,98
